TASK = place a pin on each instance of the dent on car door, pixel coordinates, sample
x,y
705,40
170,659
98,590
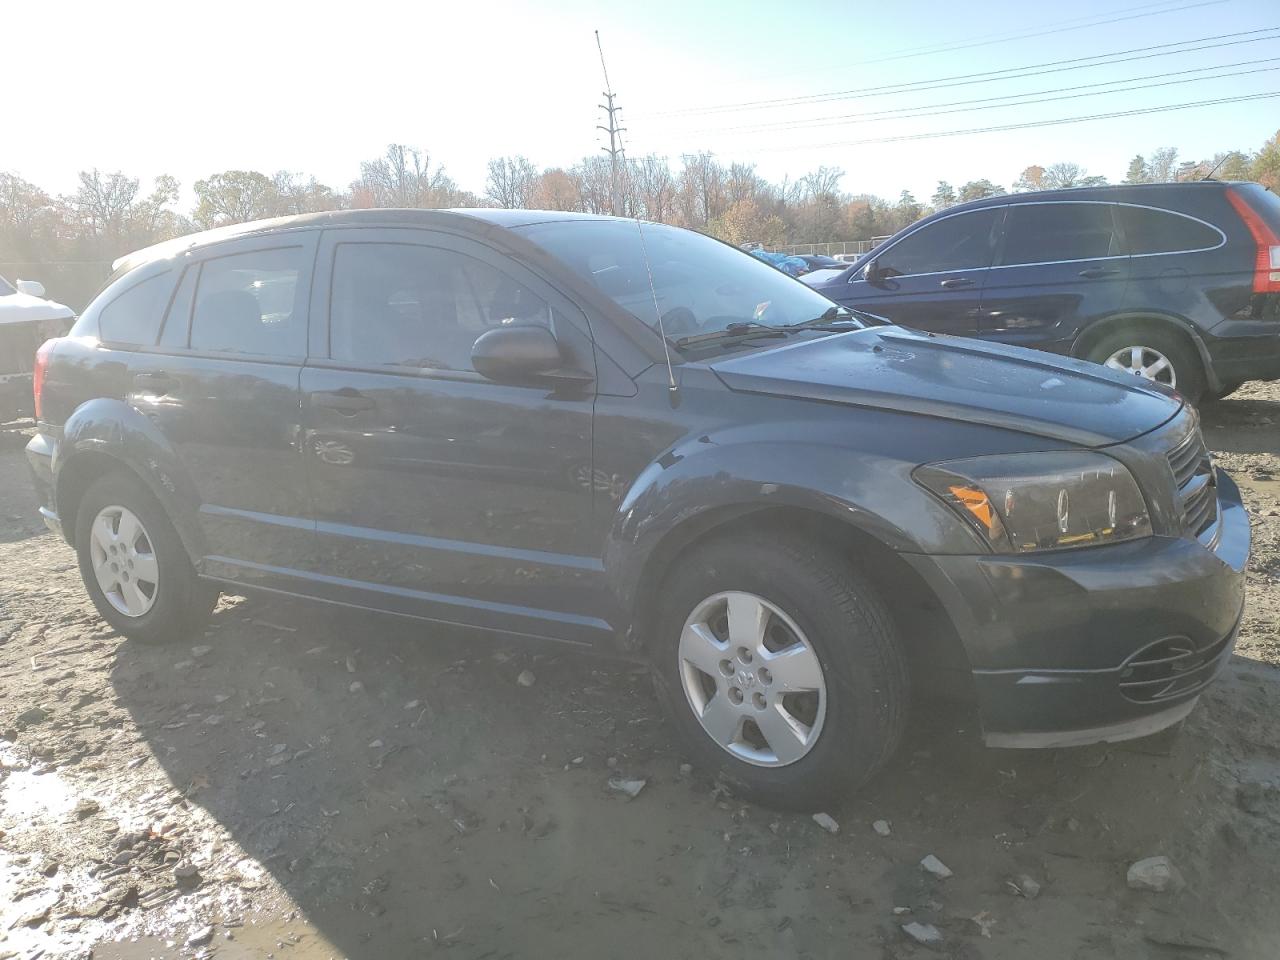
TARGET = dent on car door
x,y
932,278
222,386
444,493
1061,266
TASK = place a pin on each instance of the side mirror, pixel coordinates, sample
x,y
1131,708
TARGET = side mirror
x,y
516,354
871,272
32,288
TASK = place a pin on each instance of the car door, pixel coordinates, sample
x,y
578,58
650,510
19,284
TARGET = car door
x,y
1061,266
222,387
436,491
931,278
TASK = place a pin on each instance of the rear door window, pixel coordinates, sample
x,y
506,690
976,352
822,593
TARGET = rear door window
x,y
1056,232
133,317
1147,231
961,242
249,303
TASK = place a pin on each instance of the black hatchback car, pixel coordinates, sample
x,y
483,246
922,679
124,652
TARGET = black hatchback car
x,y
1175,282
634,439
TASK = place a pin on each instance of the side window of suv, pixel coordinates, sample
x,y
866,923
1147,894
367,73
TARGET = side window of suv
x,y
1054,232
247,303
1147,231
961,242
417,306
133,318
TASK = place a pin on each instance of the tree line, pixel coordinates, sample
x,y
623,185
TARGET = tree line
x,y
110,214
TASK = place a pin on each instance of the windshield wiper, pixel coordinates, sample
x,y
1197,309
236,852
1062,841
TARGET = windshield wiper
x,y
831,315
744,330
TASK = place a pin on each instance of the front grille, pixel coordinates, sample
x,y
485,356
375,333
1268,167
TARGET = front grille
x,y
1172,667
1193,473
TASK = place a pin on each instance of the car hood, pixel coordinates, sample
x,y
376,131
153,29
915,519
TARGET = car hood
x,y
22,307
897,369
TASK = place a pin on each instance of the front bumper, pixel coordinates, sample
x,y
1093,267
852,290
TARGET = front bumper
x,y
1098,644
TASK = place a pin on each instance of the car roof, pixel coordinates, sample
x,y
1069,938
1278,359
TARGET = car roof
x,y
473,219
1111,192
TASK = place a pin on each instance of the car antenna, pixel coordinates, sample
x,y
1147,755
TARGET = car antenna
x,y
1209,175
673,391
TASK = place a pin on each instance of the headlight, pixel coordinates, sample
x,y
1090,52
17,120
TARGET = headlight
x,y
1041,501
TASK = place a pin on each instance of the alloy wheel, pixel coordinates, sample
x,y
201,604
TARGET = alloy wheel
x,y
124,561
752,679
1145,362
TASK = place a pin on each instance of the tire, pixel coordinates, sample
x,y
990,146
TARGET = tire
x,y
178,602
1185,370
812,595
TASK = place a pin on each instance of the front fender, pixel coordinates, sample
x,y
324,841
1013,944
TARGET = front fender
x,y
705,477
113,428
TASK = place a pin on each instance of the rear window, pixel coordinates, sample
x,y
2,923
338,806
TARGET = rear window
x,y
133,317
247,303
1053,232
1147,230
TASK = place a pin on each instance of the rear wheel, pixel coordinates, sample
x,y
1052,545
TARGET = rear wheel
x,y
1153,353
781,668
134,566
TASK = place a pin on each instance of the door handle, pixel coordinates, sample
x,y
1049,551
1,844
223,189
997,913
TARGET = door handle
x,y
157,382
955,282
1097,273
346,401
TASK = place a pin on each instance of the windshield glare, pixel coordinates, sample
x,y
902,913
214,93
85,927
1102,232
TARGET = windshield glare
x,y
701,285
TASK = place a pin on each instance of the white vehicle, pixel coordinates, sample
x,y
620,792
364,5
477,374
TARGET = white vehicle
x,y
27,320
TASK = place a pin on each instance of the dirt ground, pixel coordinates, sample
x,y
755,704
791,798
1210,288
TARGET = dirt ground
x,y
308,783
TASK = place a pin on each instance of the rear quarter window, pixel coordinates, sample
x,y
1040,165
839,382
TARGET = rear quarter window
x,y
1148,230
133,317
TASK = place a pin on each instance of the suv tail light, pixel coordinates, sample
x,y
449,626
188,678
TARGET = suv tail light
x,y
1266,267
37,375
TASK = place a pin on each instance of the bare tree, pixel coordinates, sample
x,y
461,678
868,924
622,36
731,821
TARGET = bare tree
x,y
1164,165
299,193
103,203
403,177
511,182
654,186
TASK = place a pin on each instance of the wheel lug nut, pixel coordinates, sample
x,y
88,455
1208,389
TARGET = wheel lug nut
x,y
765,676
735,695
726,667
744,654
759,701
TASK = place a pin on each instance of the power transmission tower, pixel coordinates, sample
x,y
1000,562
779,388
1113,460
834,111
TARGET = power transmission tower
x,y
614,149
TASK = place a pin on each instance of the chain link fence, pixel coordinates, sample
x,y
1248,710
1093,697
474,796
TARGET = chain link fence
x,y
845,249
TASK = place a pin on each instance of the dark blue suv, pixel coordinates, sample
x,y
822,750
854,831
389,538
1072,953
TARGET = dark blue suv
x,y
1176,282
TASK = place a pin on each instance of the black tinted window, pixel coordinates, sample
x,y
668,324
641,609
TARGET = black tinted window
x,y
247,303
178,320
962,242
1159,231
1047,232
420,306
134,316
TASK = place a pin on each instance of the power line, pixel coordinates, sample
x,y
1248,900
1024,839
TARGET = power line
x,y
988,76
904,113
1061,121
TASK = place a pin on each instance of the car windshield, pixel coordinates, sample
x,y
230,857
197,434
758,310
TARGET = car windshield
x,y
700,285
5,288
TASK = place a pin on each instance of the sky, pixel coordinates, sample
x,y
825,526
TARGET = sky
x,y
188,90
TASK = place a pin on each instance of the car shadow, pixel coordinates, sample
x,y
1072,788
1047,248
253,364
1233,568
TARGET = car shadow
x,y
1242,425
414,788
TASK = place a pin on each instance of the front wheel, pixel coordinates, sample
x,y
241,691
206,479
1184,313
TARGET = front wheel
x,y
134,565
781,668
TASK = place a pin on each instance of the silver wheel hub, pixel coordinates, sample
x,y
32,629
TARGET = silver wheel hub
x,y
124,561
752,679
1145,362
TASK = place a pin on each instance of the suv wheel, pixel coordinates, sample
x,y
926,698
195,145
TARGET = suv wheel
x,y
134,566
781,668
1153,354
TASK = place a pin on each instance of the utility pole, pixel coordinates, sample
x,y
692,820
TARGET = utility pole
x,y
614,149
